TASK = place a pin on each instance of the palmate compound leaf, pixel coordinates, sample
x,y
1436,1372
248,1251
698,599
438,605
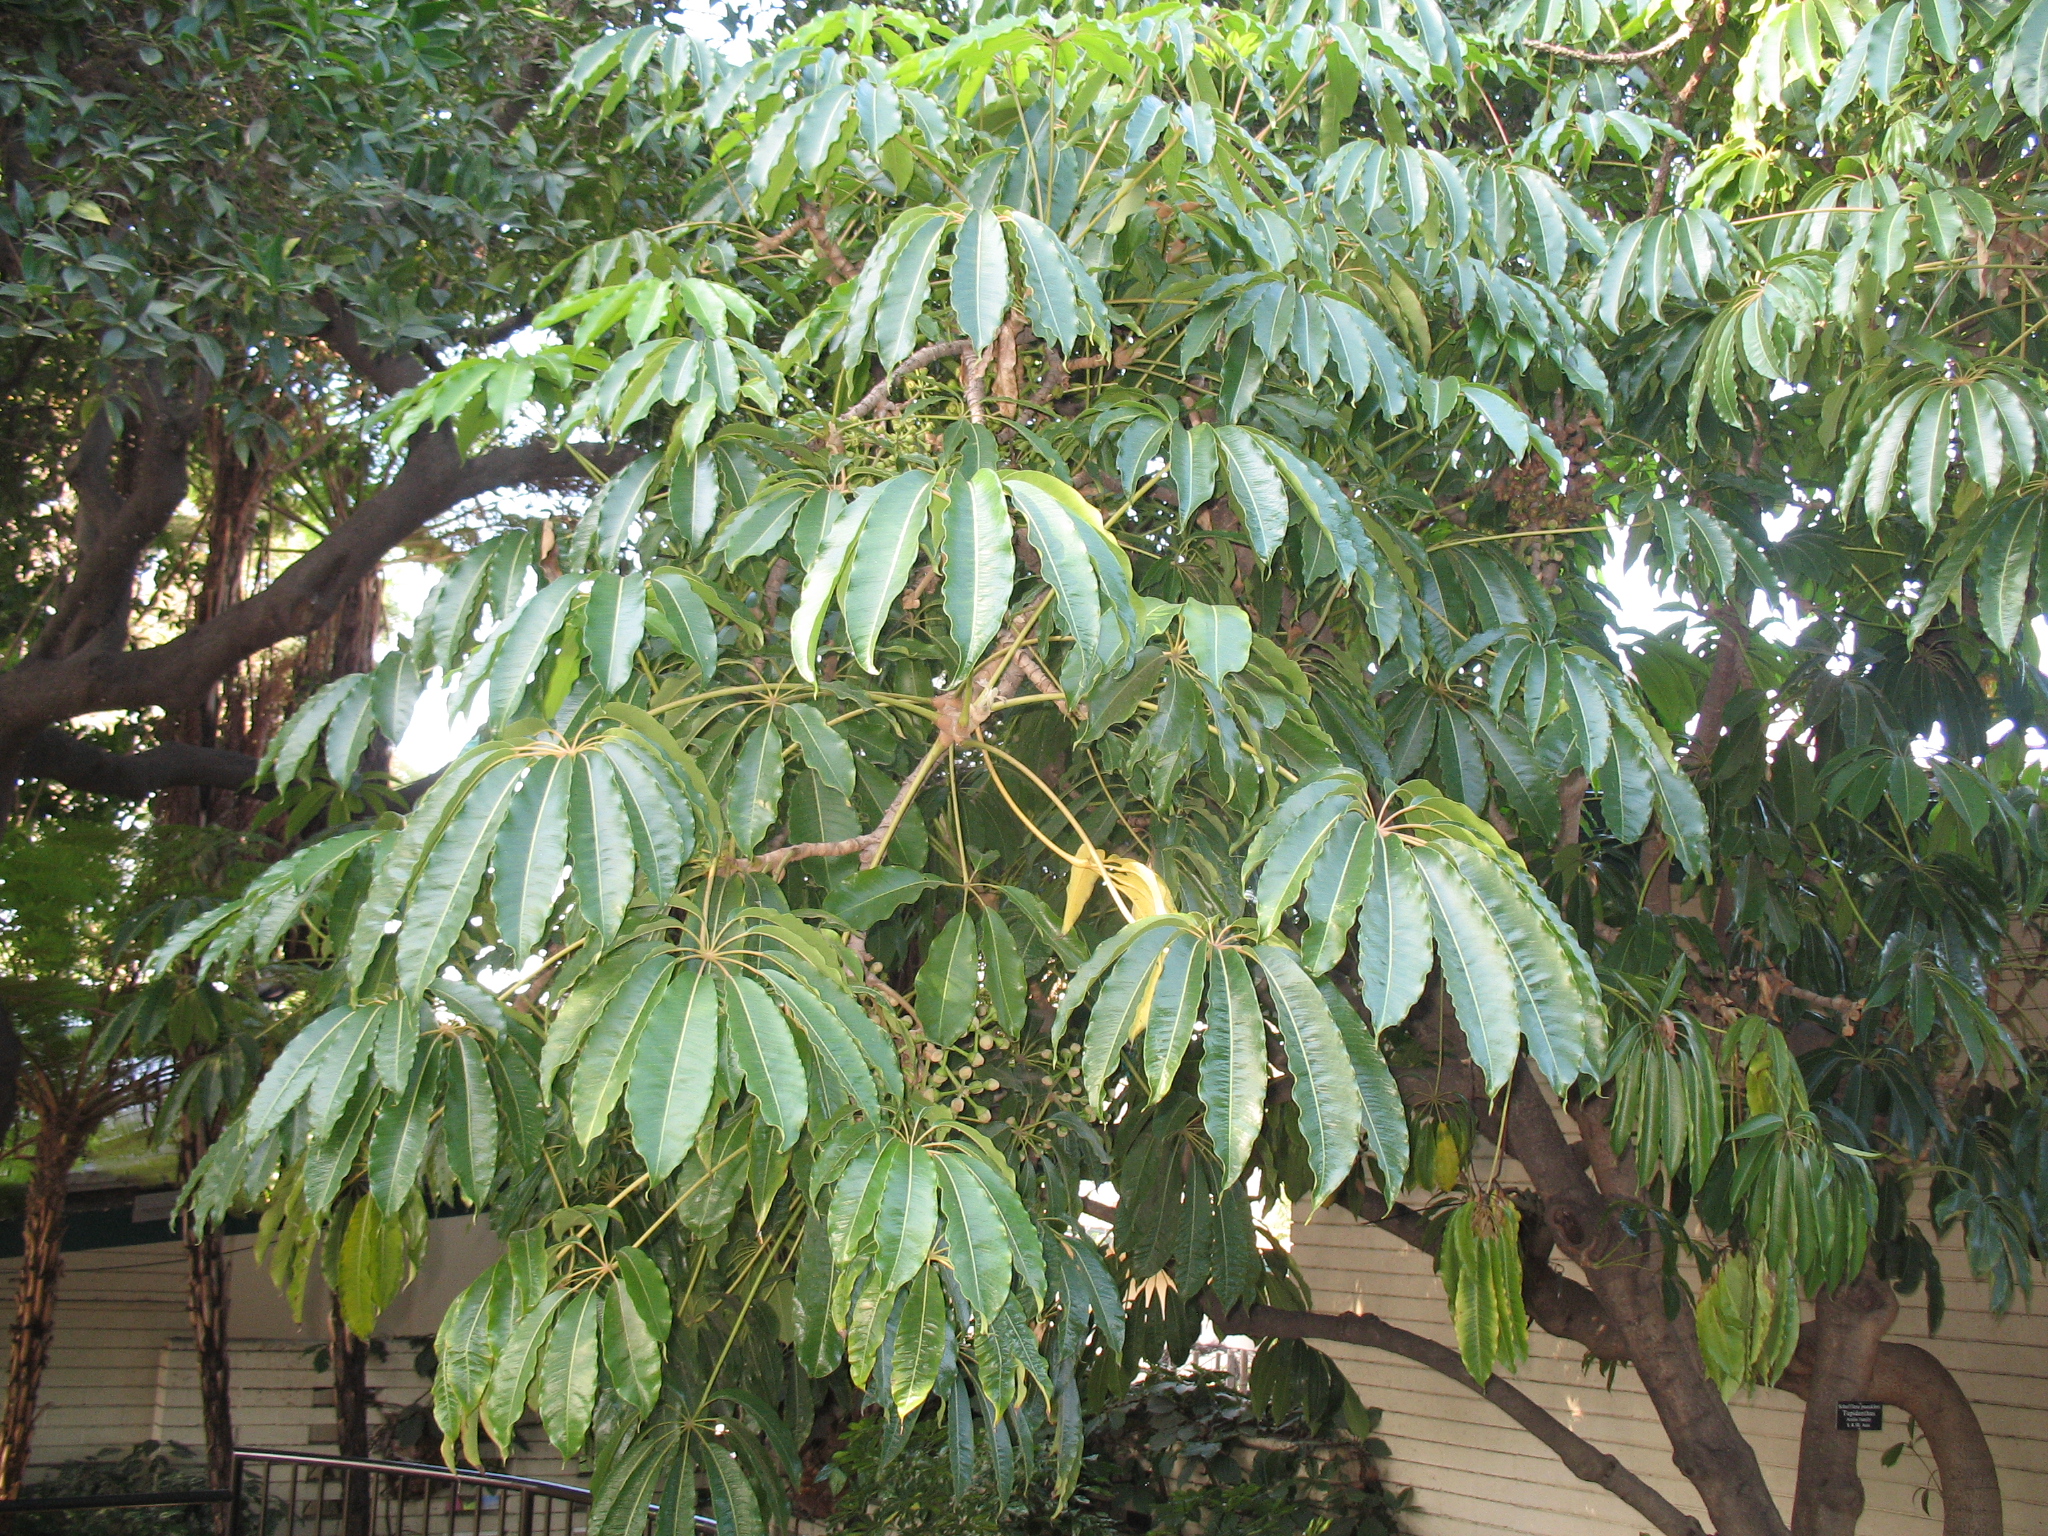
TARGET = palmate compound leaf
x,y
1440,881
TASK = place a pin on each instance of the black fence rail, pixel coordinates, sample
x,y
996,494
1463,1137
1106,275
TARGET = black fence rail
x,y
287,1493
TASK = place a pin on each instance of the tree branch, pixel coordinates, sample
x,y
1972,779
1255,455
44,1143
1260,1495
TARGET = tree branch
x,y
388,373
112,530
1585,1460
1729,676
923,357
435,477
1629,56
62,757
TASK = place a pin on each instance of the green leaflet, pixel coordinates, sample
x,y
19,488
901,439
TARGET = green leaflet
x,y
949,980
1334,889
681,609
1395,934
674,1061
581,1009
602,867
398,1037
1219,637
822,580
568,1373
920,1342
1256,487
1286,867
2003,571
658,818
1233,1062
335,1037
1107,953
608,1055
818,1345
1052,298
446,887
1478,972
733,1502
1556,998
469,1125
505,1398
398,1140
1003,976
532,851
981,564
465,1349
1123,1003
981,276
1027,1252
1191,461
614,621
398,858
1176,997
373,1266
525,642
1386,1117
756,787
908,286
906,1216
1325,1084
1063,561
632,1353
882,559
761,1042
838,1051
824,749
977,1243
857,1197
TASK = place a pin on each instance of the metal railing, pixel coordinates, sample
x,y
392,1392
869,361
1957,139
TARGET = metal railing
x,y
290,1493
287,1493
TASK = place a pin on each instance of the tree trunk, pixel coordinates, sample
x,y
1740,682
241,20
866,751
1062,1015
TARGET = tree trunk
x,y
1907,1377
1626,1272
207,1301
1848,1326
58,1144
349,1358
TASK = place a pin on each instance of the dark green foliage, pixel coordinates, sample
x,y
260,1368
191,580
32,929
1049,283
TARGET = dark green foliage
x,y
1178,1448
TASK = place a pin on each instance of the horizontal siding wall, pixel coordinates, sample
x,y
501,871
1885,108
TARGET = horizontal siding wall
x,y
122,1370
1475,1473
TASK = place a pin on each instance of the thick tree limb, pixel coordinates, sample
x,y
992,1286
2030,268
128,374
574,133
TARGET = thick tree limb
x,y
62,757
434,478
1585,1460
112,530
1848,1326
1908,1378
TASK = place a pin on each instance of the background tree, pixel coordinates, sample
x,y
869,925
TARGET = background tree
x,y
1123,693
229,231
80,896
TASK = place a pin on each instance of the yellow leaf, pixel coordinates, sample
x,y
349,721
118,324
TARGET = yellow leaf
x,y
1141,888
1080,886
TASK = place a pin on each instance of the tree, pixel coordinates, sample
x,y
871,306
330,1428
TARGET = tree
x,y
1099,673
230,231
83,898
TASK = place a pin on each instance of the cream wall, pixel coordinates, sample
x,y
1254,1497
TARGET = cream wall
x,y
121,1365
1474,1472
